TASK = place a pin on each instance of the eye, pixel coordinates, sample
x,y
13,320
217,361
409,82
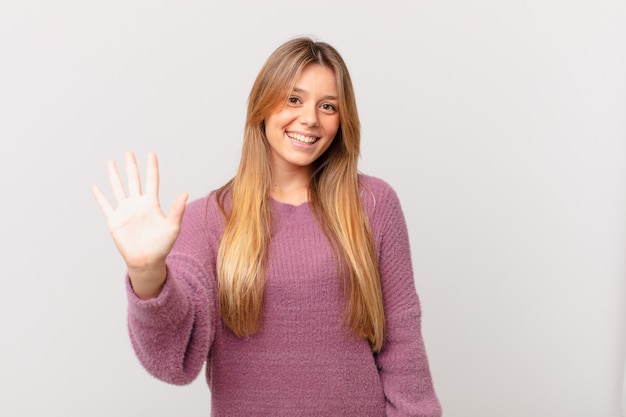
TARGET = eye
x,y
294,100
329,108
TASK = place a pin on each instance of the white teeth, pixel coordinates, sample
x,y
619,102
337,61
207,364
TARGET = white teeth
x,y
302,138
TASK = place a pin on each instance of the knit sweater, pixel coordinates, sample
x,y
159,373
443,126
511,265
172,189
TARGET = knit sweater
x,y
303,361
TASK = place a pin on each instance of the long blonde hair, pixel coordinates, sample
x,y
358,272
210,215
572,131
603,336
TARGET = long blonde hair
x,y
333,193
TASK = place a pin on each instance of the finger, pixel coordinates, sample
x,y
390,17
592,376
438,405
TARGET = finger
x,y
178,209
152,176
102,201
132,174
116,182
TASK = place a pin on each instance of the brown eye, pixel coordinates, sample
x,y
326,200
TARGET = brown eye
x,y
330,108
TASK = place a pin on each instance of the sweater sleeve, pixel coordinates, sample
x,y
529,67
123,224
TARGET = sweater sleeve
x,y
402,362
172,333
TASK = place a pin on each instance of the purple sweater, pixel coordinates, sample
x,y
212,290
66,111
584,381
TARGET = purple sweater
x,y
303,361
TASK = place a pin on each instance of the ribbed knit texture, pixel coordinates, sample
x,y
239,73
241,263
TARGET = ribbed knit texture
x,y
303,361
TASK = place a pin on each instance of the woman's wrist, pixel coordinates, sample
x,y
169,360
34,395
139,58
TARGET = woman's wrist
x,y
147,282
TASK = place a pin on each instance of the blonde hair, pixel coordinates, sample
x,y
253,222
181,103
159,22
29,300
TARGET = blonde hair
x,y
333,193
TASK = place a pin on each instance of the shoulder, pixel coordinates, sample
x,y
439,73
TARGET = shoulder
x,y
376,194
382,206
203,211
198,208
201,228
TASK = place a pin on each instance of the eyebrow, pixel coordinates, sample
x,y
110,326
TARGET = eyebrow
x,y
326,97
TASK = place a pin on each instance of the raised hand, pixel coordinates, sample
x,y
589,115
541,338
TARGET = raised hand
x,y
143,234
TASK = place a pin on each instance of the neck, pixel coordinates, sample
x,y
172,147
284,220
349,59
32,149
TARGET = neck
x,y
290,187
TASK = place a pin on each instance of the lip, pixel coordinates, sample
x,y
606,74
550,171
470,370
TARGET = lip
x,y
292,137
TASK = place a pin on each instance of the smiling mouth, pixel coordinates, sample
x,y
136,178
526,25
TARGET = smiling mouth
x,y
302,138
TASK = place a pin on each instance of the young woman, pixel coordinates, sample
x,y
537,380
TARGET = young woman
x,y
293,282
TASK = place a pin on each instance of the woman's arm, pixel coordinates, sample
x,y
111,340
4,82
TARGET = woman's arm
x,y
172,333
170,277
402,362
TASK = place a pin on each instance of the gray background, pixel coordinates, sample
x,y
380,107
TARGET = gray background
x,y
500,124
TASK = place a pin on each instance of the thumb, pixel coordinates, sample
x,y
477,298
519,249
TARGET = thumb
x,y
178,208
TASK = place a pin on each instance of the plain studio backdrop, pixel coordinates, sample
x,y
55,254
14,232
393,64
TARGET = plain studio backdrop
x,y
501,125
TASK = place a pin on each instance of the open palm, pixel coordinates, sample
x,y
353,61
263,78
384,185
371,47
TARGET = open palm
x,y
142,232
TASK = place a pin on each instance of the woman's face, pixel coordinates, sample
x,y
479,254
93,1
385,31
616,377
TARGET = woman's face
x,y
305,126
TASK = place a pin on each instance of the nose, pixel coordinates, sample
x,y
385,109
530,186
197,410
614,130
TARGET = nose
x,y
308,115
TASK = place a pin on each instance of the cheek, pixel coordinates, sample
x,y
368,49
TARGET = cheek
x,y
333,126
281,119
